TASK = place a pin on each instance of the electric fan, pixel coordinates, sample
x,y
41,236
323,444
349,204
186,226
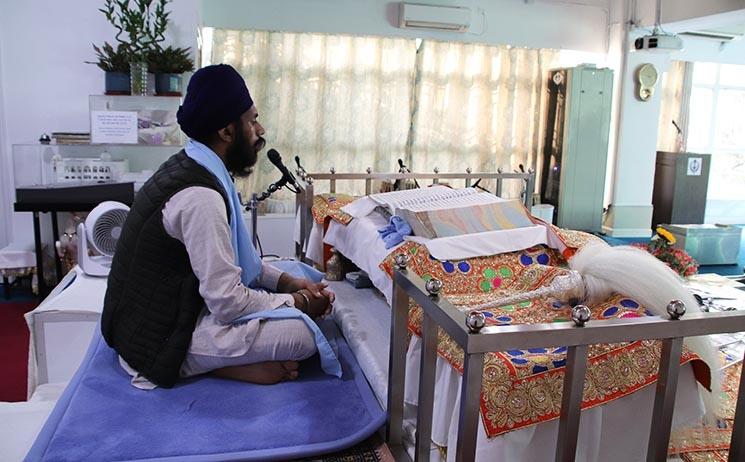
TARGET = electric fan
x,y
101,231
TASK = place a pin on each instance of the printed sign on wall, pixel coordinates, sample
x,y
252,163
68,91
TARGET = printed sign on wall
x,y
114,127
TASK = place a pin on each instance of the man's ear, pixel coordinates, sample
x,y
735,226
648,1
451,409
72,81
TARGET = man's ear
x,y
227,133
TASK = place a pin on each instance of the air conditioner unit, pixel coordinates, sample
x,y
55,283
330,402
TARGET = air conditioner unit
x,y
448,18
714,35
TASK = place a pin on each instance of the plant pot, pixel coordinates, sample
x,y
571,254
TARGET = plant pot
x,y
138,74
168,84
117,83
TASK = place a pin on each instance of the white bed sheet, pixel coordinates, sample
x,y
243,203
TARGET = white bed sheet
x,y
21,422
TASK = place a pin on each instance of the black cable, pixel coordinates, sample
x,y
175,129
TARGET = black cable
x,y
261,250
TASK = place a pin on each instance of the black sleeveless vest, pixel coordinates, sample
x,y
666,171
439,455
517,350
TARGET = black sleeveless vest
x,y
152,300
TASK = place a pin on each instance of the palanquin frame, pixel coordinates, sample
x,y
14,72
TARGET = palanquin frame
x,y
438,312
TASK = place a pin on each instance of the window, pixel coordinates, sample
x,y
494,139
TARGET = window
x,y
716,125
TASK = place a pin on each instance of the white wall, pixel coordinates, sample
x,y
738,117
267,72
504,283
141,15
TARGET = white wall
x,y
44,81
5,227
576,25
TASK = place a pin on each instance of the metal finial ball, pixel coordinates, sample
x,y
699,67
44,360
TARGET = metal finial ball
x,y
468,170
332,170
309,179
437,170
369,170
500,170
676,309
475,321
580,315
44,139
433,286
401,260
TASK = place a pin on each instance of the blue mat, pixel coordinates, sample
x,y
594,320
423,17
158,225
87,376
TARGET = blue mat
x,y
101,417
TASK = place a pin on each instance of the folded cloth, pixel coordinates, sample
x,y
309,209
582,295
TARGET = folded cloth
x,y
393,233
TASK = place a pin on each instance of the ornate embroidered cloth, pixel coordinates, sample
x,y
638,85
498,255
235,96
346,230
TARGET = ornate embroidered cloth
x,y
523,387
700,443
329,206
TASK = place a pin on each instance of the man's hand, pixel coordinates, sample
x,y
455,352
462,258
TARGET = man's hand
x,y
311,305
289,284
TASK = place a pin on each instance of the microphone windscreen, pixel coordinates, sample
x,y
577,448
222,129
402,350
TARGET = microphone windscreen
x,y
274,157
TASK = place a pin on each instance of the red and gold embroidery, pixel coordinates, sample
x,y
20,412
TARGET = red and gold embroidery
x,y
329,206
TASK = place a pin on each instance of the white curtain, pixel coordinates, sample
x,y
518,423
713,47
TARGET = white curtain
x,y
479,106
675,91
357,102
334,101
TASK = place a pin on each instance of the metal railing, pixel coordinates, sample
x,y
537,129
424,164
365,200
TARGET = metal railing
x,y
306,181
468,331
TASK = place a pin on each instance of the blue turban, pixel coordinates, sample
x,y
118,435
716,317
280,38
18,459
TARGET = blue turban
x,y
216,96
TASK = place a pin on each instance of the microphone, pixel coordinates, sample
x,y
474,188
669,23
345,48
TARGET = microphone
x,y
276,159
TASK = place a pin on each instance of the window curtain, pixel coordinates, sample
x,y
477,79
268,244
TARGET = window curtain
x,y
479,106
675,94
334,101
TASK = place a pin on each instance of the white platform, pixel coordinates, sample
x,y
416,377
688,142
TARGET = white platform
x,y
61,328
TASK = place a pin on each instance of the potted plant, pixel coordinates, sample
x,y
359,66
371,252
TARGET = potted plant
x,y
115,64
144,23
168,64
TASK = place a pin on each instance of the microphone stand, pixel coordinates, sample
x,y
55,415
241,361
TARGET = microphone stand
x,y
253,207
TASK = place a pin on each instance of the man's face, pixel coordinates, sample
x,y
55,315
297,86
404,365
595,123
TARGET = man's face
x,y
242,153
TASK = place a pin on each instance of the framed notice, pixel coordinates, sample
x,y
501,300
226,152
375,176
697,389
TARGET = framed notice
x,y
694,166
115,127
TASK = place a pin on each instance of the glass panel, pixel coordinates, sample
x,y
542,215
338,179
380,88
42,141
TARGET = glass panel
x,y
727,176
730,124
699,120
732,75
705,73
724,201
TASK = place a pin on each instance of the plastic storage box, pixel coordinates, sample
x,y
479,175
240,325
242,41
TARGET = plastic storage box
x,y
709,244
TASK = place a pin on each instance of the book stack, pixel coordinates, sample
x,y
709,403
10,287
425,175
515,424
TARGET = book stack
x,y
71,137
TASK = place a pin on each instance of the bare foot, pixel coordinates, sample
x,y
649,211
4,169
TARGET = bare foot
x,y
266,373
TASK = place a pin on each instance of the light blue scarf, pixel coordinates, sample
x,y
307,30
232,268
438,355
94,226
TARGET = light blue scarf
x,y
245,253
247,258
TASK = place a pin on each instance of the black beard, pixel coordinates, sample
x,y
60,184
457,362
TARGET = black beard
x,y
241,156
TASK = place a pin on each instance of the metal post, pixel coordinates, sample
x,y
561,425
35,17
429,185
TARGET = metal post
x,y
306,219
664,399
299,212
397,365
39,260
571,403
737,443
498,192
253,205
427,368
470,403
529,188
55,235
